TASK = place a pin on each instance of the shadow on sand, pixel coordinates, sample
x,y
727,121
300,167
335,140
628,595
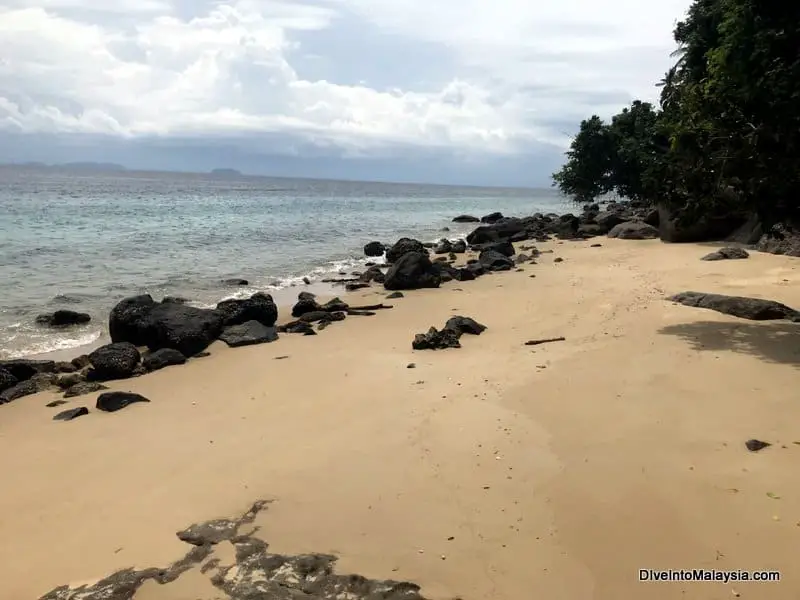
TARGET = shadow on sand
x,y
774,342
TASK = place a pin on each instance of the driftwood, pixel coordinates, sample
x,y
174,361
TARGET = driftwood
x,y
342,280
544,341
371,307
360,313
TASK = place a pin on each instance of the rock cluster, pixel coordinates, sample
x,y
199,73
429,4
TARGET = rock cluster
x,y
449,336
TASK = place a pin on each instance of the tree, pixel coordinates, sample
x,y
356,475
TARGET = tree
x,y
586,173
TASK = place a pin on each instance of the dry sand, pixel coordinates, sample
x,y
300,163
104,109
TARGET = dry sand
x,y
558,470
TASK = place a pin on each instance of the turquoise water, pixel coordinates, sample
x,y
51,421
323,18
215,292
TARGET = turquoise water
x,y
83,241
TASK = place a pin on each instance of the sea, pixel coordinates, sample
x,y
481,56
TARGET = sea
x,y
85,240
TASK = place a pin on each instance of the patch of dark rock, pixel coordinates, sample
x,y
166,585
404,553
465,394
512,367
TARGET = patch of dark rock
x,y
522,258
114,361
373,274
7,380
596,246
297,327
466,219
505,247
449,336
23,368
491,260
754,309
114,401
174,300
71,413
558,259
81,362
248,334
458,247
67,380
305,304
65,367
202,354
633,230
413,270
395,295
404,246
374,249
164,357
306,280
411,366
322,315
444,246
465,325
731,253
258,307
235,281
781,239
83,388
55,403
34,385
352,287
707,228
492,218
464,274
281,357
756,445
63,318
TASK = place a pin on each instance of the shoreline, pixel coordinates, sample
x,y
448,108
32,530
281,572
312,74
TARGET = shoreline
x,y
483,472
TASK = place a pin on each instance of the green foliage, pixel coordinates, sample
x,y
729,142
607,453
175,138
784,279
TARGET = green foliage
x,y
727,135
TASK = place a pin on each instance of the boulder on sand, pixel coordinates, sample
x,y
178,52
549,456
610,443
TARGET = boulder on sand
x,y
633,230
34,385
114,401
412,271
114,361
730,253
754,309
248,334
491,260
449,336
164,357
404,246
258,307
374,249
63,318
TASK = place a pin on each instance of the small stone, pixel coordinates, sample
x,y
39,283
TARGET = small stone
x,y
756,445
114,401
411,366
558,259
55,403
72,413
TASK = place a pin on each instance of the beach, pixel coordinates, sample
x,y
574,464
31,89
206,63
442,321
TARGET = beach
x,y
495,470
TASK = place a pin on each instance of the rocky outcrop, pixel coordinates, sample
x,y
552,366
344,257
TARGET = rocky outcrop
x,y
754,309
705,229
449,336
165,357
413,270
780,239
731,253
63,318
404,246
633,230
114,401
248,334
23,368
114,361
374,249
143,322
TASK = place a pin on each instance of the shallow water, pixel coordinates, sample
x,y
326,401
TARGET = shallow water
x,y
84,241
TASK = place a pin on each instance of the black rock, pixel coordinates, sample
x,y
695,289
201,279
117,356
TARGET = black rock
x,y
465,325
475,268
458,247
248,334
258,307
436,340
373,274
164,357
505,247
63,318
395,295
235,282
174,300
633,230
23,368
72,413
731,253
465,219
443,247
335,305
55,403
81,362
352,287
114,361
374,249
464,274
297,327
67,380
144,322
7,380
322,315
522,258
34,385
404,246
506,229
492,218
754,309
84,387
756,445
413,270
558,259
114,401
305,304
491,260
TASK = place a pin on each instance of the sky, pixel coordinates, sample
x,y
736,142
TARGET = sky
x,y
454,91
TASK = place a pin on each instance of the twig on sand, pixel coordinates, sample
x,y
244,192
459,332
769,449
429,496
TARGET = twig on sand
x,y
545,341
352,312
371,307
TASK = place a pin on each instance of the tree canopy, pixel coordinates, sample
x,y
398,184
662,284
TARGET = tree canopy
x,y
726,133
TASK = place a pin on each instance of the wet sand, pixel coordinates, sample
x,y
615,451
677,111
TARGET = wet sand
x,y
497,470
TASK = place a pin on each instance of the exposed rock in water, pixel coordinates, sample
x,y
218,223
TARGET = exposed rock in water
x,y
466,219
23,368
34,385
174,300
492,218
63,318
256,574
235,282
754,309
374,249
491,260
71,413
143,322
731,253
84,387
413,270
114,361
258,307
404,246
165,357
633,230
114,401
248,334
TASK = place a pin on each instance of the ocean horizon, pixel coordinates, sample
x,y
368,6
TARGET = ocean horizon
x,y
83,240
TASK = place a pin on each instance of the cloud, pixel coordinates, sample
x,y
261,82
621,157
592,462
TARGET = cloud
x,y
357,77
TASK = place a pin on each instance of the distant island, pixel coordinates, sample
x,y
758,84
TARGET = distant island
x,y
226,172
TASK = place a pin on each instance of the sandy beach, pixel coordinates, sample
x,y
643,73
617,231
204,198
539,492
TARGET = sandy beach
x,y
494,471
